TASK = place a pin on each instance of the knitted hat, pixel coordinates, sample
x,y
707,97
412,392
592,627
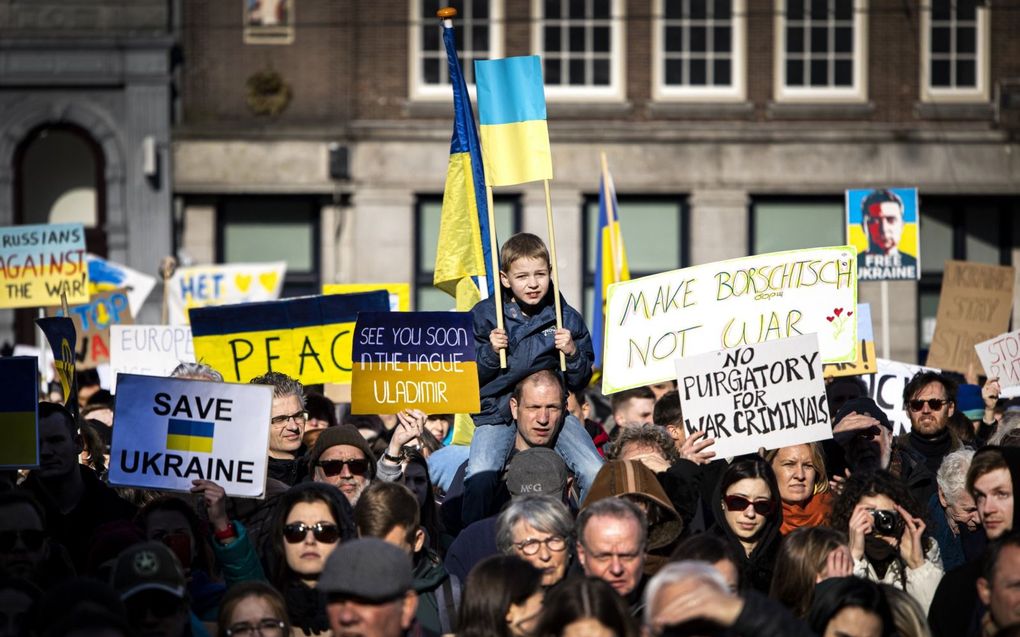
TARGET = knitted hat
x,y
341,435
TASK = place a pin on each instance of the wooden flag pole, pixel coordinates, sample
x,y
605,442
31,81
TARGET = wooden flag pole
x,y
555,269
497,285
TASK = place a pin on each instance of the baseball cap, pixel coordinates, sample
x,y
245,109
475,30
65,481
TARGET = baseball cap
x,y
145,567
367,568
537,470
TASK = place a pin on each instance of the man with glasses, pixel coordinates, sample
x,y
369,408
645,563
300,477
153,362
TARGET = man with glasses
x,y
611,535
930,401
341,457
288,419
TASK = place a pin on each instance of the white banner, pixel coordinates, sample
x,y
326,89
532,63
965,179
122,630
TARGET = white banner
x,y
149,350
768,395
1000,357
655,319
886,389
168,432
226,284
105,276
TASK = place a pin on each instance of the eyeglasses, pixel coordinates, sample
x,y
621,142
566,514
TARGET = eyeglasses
x,y
935,404
331,468
299,418
323,531
740,503
531,546
32,539
264,627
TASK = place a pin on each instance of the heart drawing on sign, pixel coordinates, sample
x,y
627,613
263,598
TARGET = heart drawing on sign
x,y
268,280
243,281
837,311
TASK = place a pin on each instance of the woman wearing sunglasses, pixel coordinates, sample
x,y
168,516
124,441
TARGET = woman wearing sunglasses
x,y
307,523
748,516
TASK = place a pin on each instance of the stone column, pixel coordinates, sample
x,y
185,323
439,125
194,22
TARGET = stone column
x,y
566,208
719,225
381,236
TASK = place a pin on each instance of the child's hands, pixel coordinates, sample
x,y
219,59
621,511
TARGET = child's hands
x,y
565,342
498,339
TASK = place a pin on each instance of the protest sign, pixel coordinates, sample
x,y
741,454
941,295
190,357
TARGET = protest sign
x,y
652,320
882,224
106,276
226,284
886,386
865,363
1000,358
766,395
974,306
92,323
149,350
46,370
400,293
308,338
59,332
40,263
420,360
168,432
19,416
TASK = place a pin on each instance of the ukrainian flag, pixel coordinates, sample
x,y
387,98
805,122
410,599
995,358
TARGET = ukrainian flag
x,y
464,255
19,402
610,259
189,435
511,112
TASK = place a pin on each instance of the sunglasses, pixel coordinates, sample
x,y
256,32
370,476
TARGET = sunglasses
x,y
740,503
32,539
331,468
935,404
323,531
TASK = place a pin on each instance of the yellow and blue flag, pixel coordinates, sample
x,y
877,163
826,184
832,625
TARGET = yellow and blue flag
x,y
19,402
610,260
512,120
464,255
189,435
63,338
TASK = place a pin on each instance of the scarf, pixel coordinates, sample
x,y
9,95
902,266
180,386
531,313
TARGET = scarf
x,y
814,512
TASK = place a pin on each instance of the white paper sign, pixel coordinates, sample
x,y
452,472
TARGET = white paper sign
x,y
768,395
886,389
1000,357
149,350
168,432
741,302
224,284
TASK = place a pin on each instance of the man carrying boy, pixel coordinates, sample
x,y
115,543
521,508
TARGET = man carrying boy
x,y
532,343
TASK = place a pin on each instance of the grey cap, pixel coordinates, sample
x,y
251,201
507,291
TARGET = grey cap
x,y
145,567
538,470
367,568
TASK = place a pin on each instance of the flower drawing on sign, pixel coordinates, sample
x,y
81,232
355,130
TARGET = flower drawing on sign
x,y
839,321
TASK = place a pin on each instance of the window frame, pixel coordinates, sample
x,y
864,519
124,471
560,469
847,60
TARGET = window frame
x,y
425,278
616,90
755,200
735,92
418,89
983,48
855,94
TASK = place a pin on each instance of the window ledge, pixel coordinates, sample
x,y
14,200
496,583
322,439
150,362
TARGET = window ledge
x,y
982,111
701,110
588,110
782,110
430,109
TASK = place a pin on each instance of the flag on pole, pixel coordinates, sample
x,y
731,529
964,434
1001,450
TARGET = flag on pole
x,y
464,255
512,119
60,333
610,259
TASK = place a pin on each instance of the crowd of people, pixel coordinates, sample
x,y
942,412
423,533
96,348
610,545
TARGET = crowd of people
x,y
554,521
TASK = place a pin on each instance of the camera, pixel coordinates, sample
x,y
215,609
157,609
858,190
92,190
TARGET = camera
x,y
886,522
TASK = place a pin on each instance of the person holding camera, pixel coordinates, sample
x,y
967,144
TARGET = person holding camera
x,y
886,531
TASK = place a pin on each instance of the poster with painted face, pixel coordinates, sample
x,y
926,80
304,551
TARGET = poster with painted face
x,y
883,224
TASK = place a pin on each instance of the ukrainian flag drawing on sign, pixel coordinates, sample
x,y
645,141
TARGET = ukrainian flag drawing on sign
x,y
189,435
512,119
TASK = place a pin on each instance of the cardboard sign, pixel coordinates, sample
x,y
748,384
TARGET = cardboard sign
x,y
149,350
308,338
421,360
92,322
886,389
39,263
209,285
400,293
106,276
1000,358
766,395
652,320
19,416
865,363
883,225
168,432
974,306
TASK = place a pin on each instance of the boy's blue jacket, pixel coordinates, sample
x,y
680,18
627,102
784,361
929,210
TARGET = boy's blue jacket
x,y
531,349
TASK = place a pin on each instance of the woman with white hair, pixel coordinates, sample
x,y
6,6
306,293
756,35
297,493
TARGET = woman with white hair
x,y
538,529
953,514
